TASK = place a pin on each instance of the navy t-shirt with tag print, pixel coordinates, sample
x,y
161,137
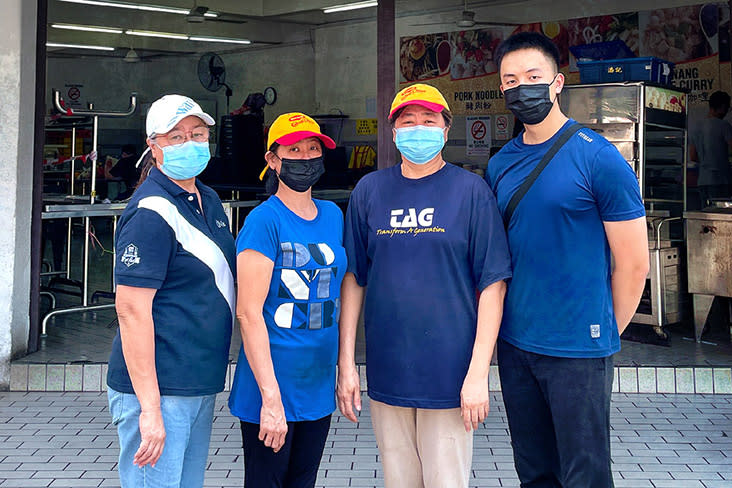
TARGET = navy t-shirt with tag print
x,y
559,302
300,311
423,248
165,242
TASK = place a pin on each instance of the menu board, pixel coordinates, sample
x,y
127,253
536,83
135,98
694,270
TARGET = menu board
x,y
462,64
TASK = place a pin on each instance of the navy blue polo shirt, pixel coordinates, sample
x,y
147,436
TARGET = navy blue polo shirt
x,y
164,242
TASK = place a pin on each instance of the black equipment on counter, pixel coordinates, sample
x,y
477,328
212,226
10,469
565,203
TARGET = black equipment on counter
x,y
241,151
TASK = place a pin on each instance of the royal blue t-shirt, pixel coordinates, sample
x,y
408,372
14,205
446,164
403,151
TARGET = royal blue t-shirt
x,y
164,242
301,309
423,248
559,302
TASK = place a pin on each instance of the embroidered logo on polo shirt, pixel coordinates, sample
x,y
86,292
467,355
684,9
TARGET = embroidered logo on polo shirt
x,y
130,256
220,224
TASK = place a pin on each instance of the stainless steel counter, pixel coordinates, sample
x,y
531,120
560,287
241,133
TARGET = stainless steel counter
x,y
709,258
722,214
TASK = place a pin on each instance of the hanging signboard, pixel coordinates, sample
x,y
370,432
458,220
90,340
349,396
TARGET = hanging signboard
x,y
462,64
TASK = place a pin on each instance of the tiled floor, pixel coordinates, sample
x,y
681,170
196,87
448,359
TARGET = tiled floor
x,y
66,440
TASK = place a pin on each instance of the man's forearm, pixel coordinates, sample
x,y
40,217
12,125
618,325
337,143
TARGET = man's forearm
x,y
627,287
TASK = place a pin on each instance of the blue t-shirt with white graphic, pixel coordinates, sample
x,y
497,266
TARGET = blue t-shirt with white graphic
x,y
166,243
301,309
423,248
559,302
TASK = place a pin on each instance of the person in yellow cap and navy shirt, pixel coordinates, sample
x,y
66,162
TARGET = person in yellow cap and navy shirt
x,y
424,236
290,265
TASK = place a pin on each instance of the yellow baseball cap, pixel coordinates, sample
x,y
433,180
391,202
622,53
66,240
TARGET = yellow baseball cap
x,y
293,127
419,94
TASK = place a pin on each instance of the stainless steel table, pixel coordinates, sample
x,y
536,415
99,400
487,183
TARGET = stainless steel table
x,y
709,254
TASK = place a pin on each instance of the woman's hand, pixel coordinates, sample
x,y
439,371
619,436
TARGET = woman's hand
x,y
349,391
272,424
152,431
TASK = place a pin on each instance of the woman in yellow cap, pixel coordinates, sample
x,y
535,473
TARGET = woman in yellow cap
x,y
290,263
424,235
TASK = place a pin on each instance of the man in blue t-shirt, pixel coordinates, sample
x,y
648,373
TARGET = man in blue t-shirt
x,y
426,239
566,305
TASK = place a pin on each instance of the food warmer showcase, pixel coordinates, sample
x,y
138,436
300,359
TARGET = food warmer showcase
x,y
648,125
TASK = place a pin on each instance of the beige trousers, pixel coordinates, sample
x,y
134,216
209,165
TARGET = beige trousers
x,y
422,448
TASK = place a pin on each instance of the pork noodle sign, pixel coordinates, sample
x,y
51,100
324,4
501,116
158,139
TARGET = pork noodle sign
x,y
462,64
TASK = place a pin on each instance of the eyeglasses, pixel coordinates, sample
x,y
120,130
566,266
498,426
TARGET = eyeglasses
x,y
175,137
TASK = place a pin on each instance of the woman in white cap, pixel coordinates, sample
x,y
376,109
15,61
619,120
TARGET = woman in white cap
x,y
425,236
175,302
290,263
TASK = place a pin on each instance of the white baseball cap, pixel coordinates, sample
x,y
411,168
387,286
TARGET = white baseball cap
x,y
168,110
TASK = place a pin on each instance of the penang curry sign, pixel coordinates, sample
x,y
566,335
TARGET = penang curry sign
x,y
463,67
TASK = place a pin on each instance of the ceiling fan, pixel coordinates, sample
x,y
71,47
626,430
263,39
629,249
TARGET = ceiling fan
x,y
197,14
467,20
201,13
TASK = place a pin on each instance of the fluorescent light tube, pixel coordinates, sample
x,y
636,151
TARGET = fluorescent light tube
x,y
165,35
132,6
219,39
79,46
350,6
87,28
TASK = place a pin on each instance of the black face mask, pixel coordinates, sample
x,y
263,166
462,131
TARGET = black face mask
x,y
301,174
530,103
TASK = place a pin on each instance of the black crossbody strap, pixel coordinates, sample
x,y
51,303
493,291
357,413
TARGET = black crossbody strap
x,y
524,188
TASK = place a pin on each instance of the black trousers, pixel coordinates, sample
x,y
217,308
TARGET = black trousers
x,y
558,413
295,465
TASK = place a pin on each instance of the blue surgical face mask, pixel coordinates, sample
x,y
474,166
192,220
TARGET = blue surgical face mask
x,y
185,161
420,144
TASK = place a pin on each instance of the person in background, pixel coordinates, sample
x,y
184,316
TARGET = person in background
x,y
566,305
290,264
126,171
426,238
710,144
175,304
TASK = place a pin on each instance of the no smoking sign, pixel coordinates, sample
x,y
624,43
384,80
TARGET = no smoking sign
x,y
73,94
478,137
502,127
478,130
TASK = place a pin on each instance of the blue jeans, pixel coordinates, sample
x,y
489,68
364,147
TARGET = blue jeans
x,y
558,412
182,464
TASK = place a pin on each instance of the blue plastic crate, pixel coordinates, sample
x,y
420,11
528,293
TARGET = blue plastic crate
x,y
629,69
616,49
